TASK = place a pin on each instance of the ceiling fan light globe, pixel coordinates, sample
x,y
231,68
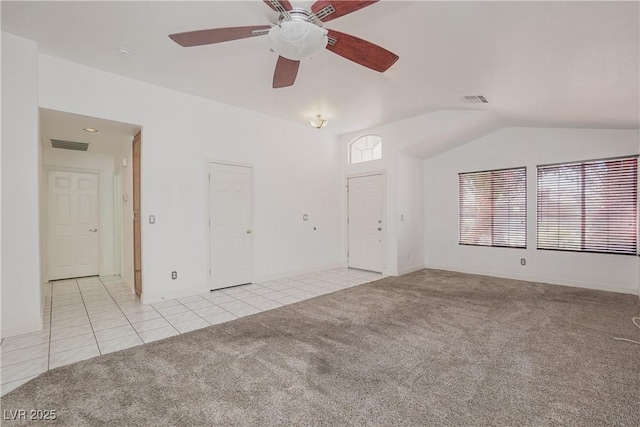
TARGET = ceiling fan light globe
x,y
297,40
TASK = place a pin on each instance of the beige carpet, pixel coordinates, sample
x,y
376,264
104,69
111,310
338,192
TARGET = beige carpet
x,y
429,348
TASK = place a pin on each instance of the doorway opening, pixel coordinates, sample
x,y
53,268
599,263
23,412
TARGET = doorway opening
x,y
86,200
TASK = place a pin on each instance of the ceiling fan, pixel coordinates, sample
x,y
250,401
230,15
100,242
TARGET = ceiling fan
x,y
298,34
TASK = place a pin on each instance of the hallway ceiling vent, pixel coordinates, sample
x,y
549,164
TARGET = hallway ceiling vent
x,y
475,99
68,145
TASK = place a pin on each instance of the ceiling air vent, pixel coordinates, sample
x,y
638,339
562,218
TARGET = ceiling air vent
x,y
475,99
68,145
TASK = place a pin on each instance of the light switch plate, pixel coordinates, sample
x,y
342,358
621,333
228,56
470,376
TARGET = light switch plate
x,y
305,217
152,219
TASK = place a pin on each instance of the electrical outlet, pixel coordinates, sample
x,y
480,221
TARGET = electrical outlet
x,y
174,275
523,261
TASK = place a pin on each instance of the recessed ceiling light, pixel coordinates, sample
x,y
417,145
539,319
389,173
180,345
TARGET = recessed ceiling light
x,y
90,130
124,51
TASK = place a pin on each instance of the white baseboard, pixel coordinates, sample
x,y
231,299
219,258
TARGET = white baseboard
x,y
23,328
410,269
149,298
540,279
127,284
277,276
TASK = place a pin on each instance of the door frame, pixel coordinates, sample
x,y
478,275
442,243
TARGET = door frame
x,y
347,177
136,198
117,223
47,228
208,218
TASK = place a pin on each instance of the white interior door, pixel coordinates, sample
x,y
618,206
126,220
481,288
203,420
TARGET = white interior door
x,y
230,234
73,219
365,222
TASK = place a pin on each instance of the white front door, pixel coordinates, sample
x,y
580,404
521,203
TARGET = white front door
x,y
365,222
230,234
73,219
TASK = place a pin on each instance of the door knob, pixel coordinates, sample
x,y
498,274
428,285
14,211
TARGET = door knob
x,y
248,231
93,230
379,228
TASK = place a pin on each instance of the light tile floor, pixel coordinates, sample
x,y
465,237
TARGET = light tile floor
x,y
91,316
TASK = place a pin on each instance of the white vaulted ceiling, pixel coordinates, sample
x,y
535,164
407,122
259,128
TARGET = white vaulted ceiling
x,y
539,63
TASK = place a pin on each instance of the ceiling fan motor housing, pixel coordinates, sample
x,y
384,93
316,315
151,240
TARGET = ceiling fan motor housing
x,y
297,37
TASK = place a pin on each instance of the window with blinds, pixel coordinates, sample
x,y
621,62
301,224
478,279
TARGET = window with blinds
x,y
493,208
589,206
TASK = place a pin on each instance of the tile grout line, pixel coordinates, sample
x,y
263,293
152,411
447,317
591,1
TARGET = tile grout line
x,y
217,305
228,311
174,327
134,328
123,313
88,317
48,352
272,300
49,340
22,348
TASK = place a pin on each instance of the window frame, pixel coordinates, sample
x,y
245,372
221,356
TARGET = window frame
x,y
582,198
355,140
492,209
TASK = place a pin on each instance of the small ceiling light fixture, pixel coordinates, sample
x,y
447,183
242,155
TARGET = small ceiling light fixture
x,y
318,122
93,130
124,51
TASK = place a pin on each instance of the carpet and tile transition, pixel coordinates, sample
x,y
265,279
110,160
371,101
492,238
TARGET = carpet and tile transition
x,y
428,348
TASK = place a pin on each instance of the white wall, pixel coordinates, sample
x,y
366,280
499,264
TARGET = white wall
x,y
295,170
102,163
410,217
21,274
512,147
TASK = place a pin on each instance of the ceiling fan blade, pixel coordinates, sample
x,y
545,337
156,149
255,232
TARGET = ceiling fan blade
x,y
286,72
361,51
323,8
218,35
284,4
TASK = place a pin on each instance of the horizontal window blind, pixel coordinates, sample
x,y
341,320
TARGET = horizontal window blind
x,y
589,206
493,208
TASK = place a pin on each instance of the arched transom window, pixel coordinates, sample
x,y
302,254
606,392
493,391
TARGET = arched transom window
x,y
365,148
